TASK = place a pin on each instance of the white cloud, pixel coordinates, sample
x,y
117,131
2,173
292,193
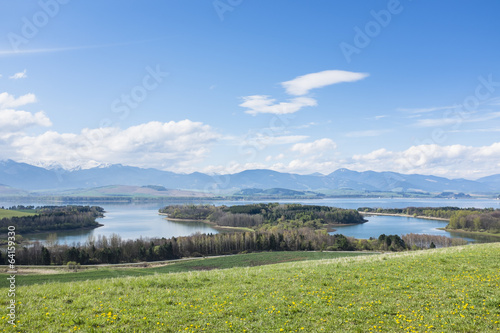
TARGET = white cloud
x,y
318,146
172,146
20,75
265,104
302,84
13,120
307,166
9,101
454,161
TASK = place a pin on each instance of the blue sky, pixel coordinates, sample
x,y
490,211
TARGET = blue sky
x,y
228,85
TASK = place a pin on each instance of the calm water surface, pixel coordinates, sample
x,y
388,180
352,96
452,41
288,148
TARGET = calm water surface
x,y
132,221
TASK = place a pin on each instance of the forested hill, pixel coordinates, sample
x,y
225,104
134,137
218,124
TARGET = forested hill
x,y
48,218
266,216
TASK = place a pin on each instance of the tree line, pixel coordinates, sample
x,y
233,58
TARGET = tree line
x,y
476,220
114,250
53,218
441,212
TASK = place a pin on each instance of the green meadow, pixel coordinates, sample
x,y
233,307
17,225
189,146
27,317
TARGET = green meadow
x,y
442,290
7,213
85,273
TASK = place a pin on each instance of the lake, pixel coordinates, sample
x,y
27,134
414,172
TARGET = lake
x,y
132,221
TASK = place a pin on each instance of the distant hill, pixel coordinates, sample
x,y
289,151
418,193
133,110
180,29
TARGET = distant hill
x,y
392,181
275,192
28,178
133,191
491,181
10,191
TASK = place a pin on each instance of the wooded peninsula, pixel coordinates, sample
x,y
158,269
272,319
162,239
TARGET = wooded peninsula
x,y
28,219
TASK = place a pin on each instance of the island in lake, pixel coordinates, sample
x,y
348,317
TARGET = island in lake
x,y
266,216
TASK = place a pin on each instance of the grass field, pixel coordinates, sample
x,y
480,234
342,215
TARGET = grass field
x,y
13,213
442,290
243,260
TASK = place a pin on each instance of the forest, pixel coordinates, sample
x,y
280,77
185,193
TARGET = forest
x,y
266,216
51,218
476,220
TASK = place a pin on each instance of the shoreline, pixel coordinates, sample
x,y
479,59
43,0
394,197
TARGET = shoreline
x,y
57,230
406,215
479,233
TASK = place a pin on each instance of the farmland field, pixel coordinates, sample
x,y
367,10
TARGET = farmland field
x,y
443,290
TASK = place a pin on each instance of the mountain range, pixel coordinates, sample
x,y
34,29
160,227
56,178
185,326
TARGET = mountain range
x,y
26,177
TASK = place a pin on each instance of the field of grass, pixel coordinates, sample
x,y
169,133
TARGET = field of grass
x,y
202,264
12,213
442,290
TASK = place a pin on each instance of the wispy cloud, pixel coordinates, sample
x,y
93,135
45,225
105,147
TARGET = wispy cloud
x,y
256,104
20,75
301,85
70,48
367,133
456,119
312,123
494,101
264,140
429,109
477,130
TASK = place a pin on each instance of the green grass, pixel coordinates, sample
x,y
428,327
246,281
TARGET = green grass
x,y
7,213
243,260
442,290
